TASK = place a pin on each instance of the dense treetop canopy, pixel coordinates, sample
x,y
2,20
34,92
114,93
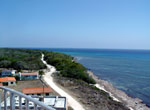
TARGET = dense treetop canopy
x,y
30,59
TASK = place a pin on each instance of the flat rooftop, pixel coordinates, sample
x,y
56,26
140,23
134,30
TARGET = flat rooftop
x,y
57,102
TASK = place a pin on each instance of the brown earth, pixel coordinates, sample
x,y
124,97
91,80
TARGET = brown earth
x,y
89,96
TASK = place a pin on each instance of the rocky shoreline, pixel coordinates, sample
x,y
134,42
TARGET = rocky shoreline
x,y
89,96
118,95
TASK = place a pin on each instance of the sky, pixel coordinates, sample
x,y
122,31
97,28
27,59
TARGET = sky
x,y
115,24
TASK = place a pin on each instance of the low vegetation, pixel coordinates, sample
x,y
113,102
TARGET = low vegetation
x,y
67,66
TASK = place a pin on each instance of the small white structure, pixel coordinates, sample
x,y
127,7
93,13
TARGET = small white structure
x,y
59,103
8,81
25,76
56,102
31,104
13,72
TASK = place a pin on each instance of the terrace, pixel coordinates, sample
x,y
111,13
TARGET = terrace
x,y
37,105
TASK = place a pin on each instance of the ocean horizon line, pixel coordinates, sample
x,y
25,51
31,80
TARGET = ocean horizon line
x,y
79,48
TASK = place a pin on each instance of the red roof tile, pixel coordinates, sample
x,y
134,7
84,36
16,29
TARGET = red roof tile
x,y
36,90
27,74
7,79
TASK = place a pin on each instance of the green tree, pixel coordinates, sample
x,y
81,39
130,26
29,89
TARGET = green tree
x,y
41,73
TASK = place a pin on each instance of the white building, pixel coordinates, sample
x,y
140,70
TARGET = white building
x,y
8,81
59,103
26,76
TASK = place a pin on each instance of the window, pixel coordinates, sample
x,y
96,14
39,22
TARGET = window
x,y
47,94
5,83
39,94
12,82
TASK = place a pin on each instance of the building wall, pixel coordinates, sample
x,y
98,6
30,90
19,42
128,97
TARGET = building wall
x,y
9,83
29,77
3,74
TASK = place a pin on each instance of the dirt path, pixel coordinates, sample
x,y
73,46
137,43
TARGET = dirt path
x,y
49,79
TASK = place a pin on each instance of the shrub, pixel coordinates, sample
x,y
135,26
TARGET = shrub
x,y
21,59
67,67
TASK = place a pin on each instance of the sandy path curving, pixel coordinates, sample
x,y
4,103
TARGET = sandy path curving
x,y
49,80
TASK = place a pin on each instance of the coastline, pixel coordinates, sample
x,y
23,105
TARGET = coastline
x,y
78,101
49,80
118,95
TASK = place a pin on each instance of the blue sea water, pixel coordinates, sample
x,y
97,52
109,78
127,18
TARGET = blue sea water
x,y
127,70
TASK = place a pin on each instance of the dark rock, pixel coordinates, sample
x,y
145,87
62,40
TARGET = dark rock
x,y
91,97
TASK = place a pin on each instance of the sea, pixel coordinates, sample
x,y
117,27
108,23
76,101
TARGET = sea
x,y
127,70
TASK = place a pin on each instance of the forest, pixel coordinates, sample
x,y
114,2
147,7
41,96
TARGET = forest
x,y
30,59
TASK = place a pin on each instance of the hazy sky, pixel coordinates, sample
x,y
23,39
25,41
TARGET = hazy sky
x,y
75,23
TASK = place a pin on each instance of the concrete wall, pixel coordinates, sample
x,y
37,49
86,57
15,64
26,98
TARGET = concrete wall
x,y
29,77
9,83
4,74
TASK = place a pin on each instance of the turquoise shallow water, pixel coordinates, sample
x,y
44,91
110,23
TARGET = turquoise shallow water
x,y
128,70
